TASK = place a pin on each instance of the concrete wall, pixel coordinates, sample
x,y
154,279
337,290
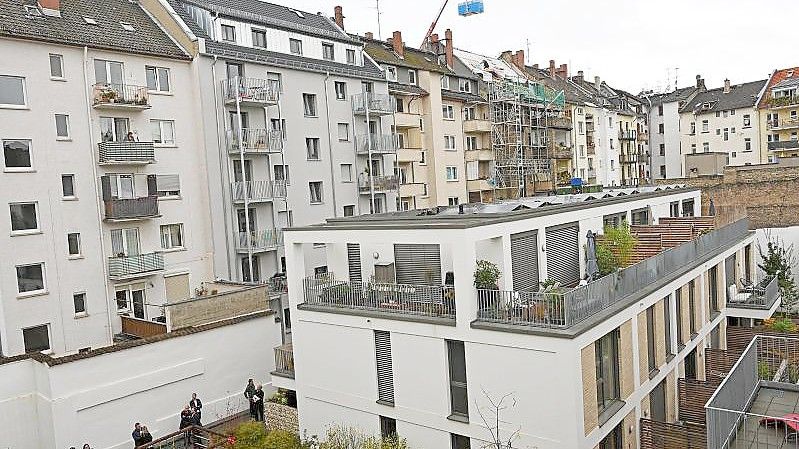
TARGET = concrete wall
x,y
211,307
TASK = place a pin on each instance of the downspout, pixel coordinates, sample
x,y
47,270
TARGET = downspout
x,y
220,157
330,147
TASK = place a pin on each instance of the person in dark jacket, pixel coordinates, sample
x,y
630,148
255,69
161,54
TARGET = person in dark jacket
x,y
136,435
258,398
146,437
196,407
185,418
248,393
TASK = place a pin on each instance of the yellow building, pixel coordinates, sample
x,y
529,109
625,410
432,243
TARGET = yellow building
x,y
778,110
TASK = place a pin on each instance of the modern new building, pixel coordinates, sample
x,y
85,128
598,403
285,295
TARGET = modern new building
x,y
777,106
396,338
106,206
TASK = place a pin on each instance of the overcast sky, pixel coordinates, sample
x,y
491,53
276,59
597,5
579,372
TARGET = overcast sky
x,y
632,44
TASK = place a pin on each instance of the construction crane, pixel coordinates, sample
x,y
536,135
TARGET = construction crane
x,y
467,8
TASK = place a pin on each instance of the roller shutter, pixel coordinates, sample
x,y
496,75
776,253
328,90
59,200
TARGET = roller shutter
x,y
385,371
524,260
563,253
354,262
418,264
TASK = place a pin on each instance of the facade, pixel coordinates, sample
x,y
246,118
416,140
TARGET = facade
x,y
777,107
117,222
426,351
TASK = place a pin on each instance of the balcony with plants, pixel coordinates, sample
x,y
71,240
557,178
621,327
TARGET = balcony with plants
x,y
120,96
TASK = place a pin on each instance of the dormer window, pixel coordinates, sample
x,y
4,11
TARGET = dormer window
x,y
90,21
445,82
228,33
328,51
127,26
465,86
295,46
412,77
391,73
351,56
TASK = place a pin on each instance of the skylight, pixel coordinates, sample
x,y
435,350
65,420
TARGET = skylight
x,y
299,14
90,21
127,27
32,11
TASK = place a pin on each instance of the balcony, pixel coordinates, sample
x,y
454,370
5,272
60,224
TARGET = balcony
x,y
406,120
479,155
560,123
559,150
259,240
258,191
254,92
124,209
255,141
628,158
120,96
284,361
785,145
126,153
476,126
129,267
643,137
477,185
761,296
432,301
411,189
384,183
373,104
785,123
409,155
782,102
629,134
376,144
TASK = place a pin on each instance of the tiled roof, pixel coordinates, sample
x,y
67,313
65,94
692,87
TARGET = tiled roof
x,y
740,96
383,53
71,29
461,96
788,82
778,77
407,89
676,95
573,94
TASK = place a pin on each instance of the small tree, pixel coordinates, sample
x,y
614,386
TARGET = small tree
x,y
486,275
494,423
776,260
615,249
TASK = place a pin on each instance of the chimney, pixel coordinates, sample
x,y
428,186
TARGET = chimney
x,y
396,42
435,44
518,59
535,66
551,67
580,76
448,48
727,86
700,82
597,83
369,35
50,7
563,71
339,16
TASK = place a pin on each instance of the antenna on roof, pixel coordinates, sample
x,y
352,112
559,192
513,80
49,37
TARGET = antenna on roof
x,y
676,78
379,30
528,55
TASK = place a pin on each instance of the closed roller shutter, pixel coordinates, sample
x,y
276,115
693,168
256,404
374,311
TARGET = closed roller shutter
x,y
354,261
563,254
417,264
524,260
385,371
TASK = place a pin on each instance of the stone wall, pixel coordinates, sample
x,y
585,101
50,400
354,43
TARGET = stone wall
x,y
217,303
766,193
281,417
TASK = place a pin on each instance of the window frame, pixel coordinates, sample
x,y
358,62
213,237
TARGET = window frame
x,y
224,35
455,349
170,236
258,32
160,123
39,291
312,143
311,185
64,196
445,82
351,178
83,312
26,231
70,254
454,170
413,78
450,138
295,43
342,91
60,59
448,111
30,166
328,51
49,341
351,60
66,126
309,105
612,339
157,76
23,83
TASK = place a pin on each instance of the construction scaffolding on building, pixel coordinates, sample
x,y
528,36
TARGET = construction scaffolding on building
x,y
521,112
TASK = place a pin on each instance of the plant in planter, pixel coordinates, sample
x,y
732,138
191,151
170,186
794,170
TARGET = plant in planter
x,y
614,251
486,275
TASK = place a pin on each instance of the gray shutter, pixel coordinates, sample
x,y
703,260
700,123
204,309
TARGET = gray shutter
x,y
524,260
354,262
167,183
729,270
418,264
563,253
385,371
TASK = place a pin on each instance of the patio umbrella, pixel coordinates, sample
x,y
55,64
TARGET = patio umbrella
x,y
711,210
591,267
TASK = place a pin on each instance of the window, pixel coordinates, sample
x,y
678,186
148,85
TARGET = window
x,y
228,33
465,85
309,104
282,173
12,91
131,298
452,173
278,125
351,56
705,126
661,128
747,144
423,157
79,303
425,193
610,122
23,217
328,52
312,148
667,326
614,440
167,185
36,338
391,73
73,243
125,242
678,303
445,82
62,126
607,369
346,172
412,77
30,278
448,111
341,90
456,357
650,339
295,46
68,186
718,113
706,147
343,131
693,148
400,105
172,236
245,269
259,38
449,142
349,210
732,130
747,121
56,66
726,134
388,427
713,287
114,129
469,113
315,188
17,155
471,143
693,128
580,128
453,201
662,149
660,109
692,307
163,131
460,441
157,79
385,370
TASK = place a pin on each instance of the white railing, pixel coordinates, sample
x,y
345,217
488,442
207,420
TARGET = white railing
x,y
263,239
374,103
252,90
258,190
255,140
377,143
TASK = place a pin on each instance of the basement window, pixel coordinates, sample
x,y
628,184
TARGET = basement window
x,y
127,26
90,21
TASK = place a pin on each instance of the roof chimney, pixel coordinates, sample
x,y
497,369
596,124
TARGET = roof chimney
x,y
727,86
396,42
535,66
369,35
518,59
580,76
700,82
551,67
435,44
597,82
51,7
339,16
563,71
448,48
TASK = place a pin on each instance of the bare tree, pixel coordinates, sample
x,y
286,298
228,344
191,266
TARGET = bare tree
x,y
493,422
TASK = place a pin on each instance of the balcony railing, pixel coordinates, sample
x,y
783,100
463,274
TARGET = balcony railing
x,y
120,267
250,90
521,307
405,299
380,183
477,126
258,190
762,295
255,140
782,123
559,151
126,152
374,103
782,101
284,361
126,96
131,208
783,145
560,122
260,240
643,136
376,143
629,134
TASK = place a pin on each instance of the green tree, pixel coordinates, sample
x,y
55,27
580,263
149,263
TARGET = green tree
x,y
776,260
615,249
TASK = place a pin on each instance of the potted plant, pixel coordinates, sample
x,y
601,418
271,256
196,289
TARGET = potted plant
x,y
486,276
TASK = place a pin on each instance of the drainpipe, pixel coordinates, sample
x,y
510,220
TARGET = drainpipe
x,y
220,157
330,148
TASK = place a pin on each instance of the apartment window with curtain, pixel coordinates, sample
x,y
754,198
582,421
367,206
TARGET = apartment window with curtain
x,y
295,46
341,90
172,236
459,400
315,190
309,105
607,370
312,148
385,370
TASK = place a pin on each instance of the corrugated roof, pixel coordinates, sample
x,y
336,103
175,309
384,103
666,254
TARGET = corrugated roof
x,y
740,96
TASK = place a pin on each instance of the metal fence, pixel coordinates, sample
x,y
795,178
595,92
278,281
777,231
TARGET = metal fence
x,y
380,143
380,183
258,190
130,208
520,307
284,360
261,239
122,266
255,90
192,437
375,103
425,300
126,152
762,295
108,94
255,140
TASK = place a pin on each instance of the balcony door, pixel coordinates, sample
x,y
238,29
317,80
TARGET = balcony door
x,y
234,121
125,242
242,221
131,298
108,72
376,167
123,186
237,172
114,129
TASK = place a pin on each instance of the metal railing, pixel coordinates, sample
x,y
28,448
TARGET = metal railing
x,y
263,239
250,90
284,360
762,295
380,183
126,152
521,307
782,123
782,101
406,299
559,150
783,145
628,134
255,140
380,143
122,266
131,208
258,190
192,437
374,103
123,95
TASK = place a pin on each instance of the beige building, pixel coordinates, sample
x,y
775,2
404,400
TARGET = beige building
x,y
778,106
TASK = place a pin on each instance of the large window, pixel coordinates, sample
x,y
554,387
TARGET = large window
x,y
172,236
115,129
650,339
12,91
315,190
228,33
607,370
23,217
341,90
36,338
448,111
245,269
30,278
157,78
309,104
351,56
459,399
168,185
17,155
460,441
452,173
108,72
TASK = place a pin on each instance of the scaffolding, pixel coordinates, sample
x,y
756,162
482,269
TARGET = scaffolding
x,y
520,113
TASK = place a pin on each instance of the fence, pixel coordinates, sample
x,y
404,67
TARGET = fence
x,y
127,152
661,435
376,143
255,140
762,295
192,437
254,90
141,328
108,94
520,307
122,266
284,360
258,190
129,208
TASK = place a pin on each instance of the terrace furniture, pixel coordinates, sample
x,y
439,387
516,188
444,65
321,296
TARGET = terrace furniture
x,y
791,422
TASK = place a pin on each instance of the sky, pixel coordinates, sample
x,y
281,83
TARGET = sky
x,y
631,44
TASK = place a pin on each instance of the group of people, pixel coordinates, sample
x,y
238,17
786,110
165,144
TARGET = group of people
x,y
255,396
140,435
85,446
192,413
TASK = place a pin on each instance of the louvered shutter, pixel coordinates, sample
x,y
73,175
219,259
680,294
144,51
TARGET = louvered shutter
x,y
385,371
105,182
418,264
563,253
354,261
524,260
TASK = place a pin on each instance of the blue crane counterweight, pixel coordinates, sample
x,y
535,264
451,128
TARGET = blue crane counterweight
x,y
470,7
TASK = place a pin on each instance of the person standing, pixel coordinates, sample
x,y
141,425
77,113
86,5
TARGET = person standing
x,y
136,435
258,397
146,437
248,393
196,406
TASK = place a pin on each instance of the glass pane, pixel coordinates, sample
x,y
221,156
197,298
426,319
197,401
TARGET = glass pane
x,y
155,127
79,301
121,129
122,299
100,73
36,339
163,79
73,241
115,71
30,278
17,153
23,217
137,298
67,185
152,83
132,242
460,402
107,129
125,186
56,69
61,125
168,132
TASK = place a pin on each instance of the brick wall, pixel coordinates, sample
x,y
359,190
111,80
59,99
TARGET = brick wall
x,y
214,307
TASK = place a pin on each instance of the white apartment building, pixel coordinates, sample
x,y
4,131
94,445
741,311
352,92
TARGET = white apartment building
x,y
723,120
102,174
664,129
397,339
